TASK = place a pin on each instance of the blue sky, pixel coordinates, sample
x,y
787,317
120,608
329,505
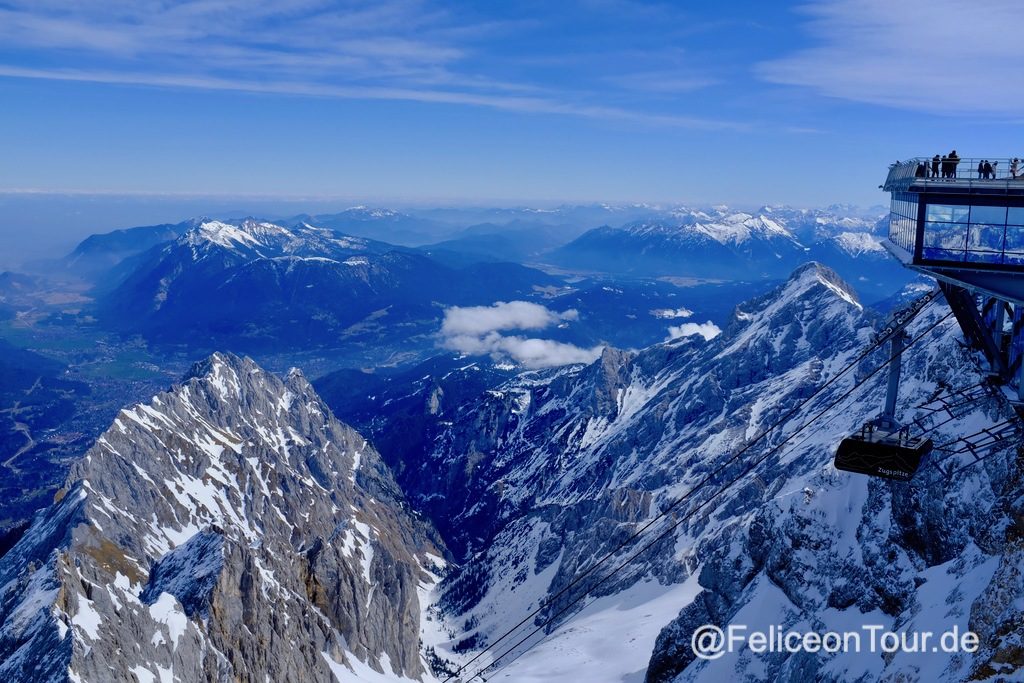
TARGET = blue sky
x,y
518,102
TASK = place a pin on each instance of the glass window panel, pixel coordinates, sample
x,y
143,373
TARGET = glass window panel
x,y
988,214
1015,215
933,254
985,243
985,256
945,235
1015,259
985,237
901,232
947,212
1014,239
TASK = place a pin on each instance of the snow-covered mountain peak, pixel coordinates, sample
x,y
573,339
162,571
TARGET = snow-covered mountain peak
x,y
224,372
247,234
230,420
230,514
859,243
815,274
221,233
737,228
813,302
369,213
538,494
814,279
260,239
728,229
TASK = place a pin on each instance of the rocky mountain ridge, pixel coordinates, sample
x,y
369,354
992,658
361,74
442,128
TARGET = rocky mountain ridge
x,y
230,529
549,472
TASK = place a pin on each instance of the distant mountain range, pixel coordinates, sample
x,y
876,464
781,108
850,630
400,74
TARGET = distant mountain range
x,y
377,223
420,227
726,244
737,246
258,285
526,234
255,285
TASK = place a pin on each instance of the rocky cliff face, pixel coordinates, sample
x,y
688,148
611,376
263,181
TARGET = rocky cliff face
x,y
551,471
232,530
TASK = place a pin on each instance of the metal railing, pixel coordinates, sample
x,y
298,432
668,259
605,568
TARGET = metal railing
x,y
964,172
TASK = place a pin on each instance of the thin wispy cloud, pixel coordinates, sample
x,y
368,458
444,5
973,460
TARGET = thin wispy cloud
x,y
407,50
533,105
581,100
936,56
662,82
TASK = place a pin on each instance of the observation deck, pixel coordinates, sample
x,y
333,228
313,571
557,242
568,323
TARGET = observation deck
x,y
959,227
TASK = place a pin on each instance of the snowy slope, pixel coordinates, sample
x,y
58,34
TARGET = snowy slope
x,y
550,471
858,243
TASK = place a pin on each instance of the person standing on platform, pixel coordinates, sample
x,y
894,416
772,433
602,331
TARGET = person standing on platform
x,y
953,161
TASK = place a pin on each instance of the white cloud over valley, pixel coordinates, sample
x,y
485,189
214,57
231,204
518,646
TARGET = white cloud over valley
x,y
500,316
477,330
708,330
663,313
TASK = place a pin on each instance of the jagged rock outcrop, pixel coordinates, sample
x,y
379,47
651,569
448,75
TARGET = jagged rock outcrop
x,y
229,530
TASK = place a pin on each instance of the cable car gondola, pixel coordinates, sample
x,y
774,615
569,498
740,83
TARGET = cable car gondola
x,y
878,450
883,447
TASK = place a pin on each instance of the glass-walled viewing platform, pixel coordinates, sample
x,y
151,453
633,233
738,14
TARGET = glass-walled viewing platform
x,y
964,227
925,174
955,217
